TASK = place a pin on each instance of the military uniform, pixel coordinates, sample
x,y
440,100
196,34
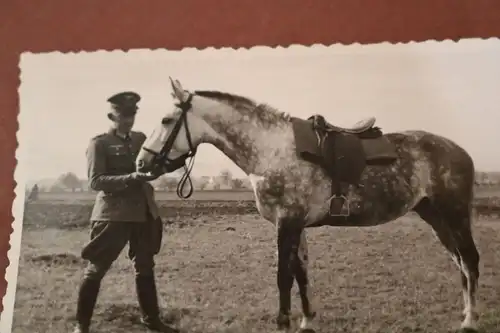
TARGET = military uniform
x,y
124,212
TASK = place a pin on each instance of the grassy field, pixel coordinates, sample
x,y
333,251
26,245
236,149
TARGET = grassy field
x,y
205,195
217,273
160,196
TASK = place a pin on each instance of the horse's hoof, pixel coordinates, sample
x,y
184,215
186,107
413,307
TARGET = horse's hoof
x,y
283,326
283,323
306,330
467,330
468,326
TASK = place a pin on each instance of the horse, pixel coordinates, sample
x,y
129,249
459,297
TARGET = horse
x,y
309,173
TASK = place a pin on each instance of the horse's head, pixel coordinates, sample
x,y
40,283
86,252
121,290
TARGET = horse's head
x,y
175,138
239,127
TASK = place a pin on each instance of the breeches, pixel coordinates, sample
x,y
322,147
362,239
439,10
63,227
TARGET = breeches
x,y
107,240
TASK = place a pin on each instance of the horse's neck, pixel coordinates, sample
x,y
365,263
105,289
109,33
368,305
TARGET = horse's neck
x,y
248,140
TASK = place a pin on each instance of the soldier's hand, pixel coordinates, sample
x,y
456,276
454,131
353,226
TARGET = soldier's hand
x,y
141,176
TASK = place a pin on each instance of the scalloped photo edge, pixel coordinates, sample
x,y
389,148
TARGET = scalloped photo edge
x,y
29,154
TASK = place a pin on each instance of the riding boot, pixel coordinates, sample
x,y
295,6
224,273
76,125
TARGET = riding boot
x,y
87,297
148,302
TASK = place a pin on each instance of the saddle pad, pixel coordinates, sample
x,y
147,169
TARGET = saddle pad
x,y
379,151
306,141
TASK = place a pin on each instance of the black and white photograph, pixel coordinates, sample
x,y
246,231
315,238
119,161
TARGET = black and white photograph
x,y
342,188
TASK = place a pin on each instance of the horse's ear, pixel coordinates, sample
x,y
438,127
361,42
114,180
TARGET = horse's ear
x,y
178,91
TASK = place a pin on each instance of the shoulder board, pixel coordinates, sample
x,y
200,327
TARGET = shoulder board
x,y
99,136
138,134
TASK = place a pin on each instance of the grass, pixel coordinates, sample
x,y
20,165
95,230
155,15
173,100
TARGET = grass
x,y
212,278
219,195
211,195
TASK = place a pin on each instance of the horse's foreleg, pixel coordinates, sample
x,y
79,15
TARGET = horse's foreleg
x,y
288,244
301,276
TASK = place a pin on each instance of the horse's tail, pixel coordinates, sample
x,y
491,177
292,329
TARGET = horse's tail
x,y
473,213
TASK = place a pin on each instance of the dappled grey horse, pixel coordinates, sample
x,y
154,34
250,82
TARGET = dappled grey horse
x,y
309,173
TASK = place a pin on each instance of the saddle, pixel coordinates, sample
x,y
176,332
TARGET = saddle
x,y
358,128
343,152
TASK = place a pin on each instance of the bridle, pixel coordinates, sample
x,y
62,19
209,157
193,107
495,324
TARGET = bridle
x,y
161,158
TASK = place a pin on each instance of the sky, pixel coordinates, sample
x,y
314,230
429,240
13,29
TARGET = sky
x,y
448,88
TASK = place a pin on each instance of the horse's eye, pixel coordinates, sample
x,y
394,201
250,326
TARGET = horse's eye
x,y
166,121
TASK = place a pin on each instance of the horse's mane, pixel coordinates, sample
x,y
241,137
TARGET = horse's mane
x,y
262,111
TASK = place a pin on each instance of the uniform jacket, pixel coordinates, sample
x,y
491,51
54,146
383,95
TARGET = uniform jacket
x,y
110,161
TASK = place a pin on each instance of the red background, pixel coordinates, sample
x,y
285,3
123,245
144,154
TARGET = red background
x,y
124,24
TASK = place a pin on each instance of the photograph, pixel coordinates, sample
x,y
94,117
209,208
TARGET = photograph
x,y
341,188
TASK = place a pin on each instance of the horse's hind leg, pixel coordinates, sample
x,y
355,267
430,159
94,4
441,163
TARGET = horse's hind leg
x,y
469,261
453,229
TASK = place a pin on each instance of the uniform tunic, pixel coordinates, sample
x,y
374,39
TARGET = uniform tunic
x,y
124,210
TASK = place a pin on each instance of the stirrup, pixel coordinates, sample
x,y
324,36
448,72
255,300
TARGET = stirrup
x,y
344,207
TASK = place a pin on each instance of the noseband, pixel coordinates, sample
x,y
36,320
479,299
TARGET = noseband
x,y
161,158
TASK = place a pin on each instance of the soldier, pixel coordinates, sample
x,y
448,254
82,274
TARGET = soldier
x,y
124,212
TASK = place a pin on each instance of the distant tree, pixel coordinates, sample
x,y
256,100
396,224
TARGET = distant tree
x,y
487,179
56,188
43,188
226,177
33,194
203,183
70,181
85,185
237,184
479,179
247,184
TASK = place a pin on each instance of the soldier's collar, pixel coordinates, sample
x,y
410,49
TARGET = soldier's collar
x,y
121,136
